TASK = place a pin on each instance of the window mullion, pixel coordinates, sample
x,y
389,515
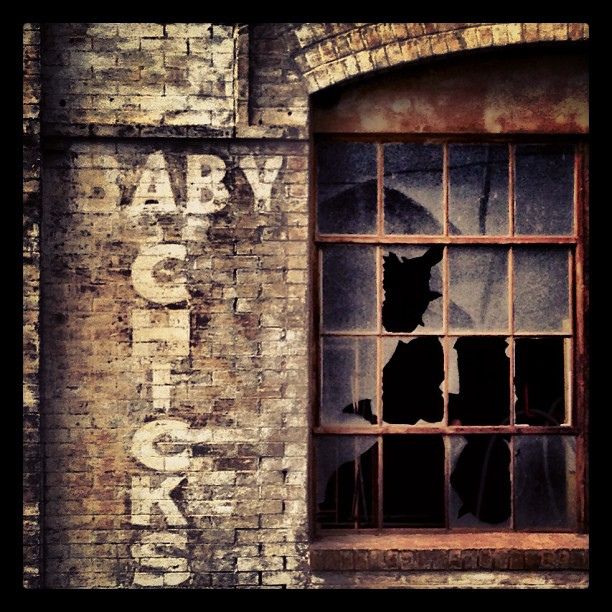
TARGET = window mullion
x,y
511,327
511,178
380,227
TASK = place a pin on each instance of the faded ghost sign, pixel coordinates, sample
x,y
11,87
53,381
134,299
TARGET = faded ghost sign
x,y
161,337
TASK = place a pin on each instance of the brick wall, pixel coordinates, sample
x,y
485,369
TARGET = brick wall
x,y
130,76
175,284
331,53
171,321
32,449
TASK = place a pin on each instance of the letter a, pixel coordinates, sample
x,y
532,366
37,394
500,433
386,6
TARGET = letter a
x,y
154,192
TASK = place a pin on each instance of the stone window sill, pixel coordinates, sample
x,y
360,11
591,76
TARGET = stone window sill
x,y
456,551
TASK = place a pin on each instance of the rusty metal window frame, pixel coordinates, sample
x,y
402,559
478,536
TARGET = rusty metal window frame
x,y
578,367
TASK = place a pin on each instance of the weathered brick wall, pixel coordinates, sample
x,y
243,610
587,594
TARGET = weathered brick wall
x,y
277,94
176,407
459,560
32,449
175,276
131,76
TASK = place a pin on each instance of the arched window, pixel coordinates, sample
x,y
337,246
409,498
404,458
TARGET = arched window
x,y
450,248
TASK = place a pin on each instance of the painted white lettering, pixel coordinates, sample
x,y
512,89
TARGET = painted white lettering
x,y
261,176
163,555
144,497
151,338
206,192
149,440
152,281
161,388
154,191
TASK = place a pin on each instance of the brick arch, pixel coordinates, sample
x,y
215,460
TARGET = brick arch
x,y
330,53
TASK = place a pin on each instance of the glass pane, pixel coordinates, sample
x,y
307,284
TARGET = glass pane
x,y
478,288
478,200
346,187
483,394
480,482
544,190
540,382
413,372
413,481
346,472
412,283
545,481
349,288
413,189
541,301
349,381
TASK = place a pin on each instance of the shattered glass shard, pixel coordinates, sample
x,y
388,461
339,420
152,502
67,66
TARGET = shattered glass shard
x,y
349,380
481,479
539,381
346,468
545,481
407,291
362,408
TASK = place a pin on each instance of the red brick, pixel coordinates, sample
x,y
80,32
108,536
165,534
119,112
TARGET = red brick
x,y
578,559
501,559
346,560
360,559
533,559
408,560
516,560
454,559
485,559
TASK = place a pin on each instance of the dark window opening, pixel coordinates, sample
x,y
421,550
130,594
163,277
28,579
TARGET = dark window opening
x,y
447,335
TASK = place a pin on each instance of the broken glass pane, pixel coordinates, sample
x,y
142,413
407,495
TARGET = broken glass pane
x,y
483,396
539,375
478,286
346,472
413,189
413,373
413,481
412,284
541,301
545,481
480,482
478,196
346,183
544,189
349,288
349,381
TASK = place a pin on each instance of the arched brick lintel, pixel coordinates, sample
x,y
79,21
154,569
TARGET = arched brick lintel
x,y
332,57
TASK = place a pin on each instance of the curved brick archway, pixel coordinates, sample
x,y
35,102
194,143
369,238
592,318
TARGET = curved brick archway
x,y
332,53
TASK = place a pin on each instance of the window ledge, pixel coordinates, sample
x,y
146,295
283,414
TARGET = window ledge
x,y
451,551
